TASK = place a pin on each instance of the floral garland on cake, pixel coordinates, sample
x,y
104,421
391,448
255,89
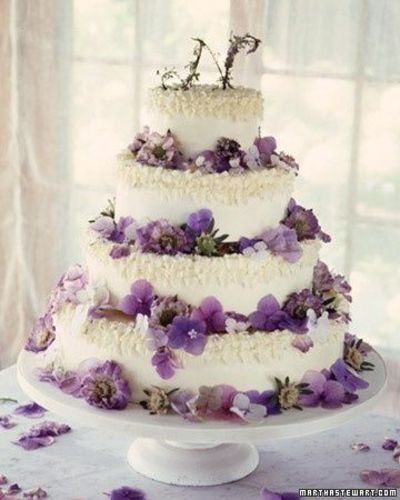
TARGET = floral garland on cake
x,y
157,150
198,235
101,384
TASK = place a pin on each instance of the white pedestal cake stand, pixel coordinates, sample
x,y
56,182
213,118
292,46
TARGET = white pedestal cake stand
x,y
172,450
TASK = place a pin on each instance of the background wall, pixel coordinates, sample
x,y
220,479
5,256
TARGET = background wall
x,y
330,75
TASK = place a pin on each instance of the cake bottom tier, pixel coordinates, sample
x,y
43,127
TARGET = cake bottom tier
x,y
246,361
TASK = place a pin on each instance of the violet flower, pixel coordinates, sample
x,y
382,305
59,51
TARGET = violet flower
x,y
297,306
246,410
200,221
164,310
206,161
165,363
103,386
268,399
210,311
215,401
42,335
159,151
303,343
120,251
304,222
127,493
67,382
326,284
187,334
140,299
266,146
346,377
139,139
156,338
162,238
104,226
267,494
389,444
229,155
6,422
327,393
269,315
41,435
30,410
184,404
282,241
72,284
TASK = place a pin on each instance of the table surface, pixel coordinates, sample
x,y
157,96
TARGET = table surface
x,y
85,463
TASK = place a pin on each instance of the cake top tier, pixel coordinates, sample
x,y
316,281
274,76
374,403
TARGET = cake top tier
x,y
207,101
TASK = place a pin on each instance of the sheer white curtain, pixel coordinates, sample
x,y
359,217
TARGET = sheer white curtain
x,y
73,80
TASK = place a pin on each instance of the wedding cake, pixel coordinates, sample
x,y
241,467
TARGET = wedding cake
x,y
203,291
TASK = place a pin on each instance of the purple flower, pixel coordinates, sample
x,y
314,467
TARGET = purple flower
x,y
297,306
303,343
246,410
246,243
206,160
266,398
215,401
67,382
326,284
165,363
267,494
12,490
266,146
104,226
127,493
125,230
103,386
184,403
229,155
383,477
162,238
346,377
304,222
41,435
30,410
159,151
42,334
362,346
6,422
139,301
389,444
282,241
188,334
327,393
164,310
72,285
210,311
200,221
120,251
269,315
139,139
156,338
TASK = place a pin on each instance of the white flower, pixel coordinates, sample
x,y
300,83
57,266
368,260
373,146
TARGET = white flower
x,y
258,251
234,326
142,323
249,412
318,328
252,158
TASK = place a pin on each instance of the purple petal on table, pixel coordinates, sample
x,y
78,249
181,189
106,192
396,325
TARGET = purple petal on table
x,y
383,477
360,447
389,444
42,434
267,494
35,494
6,422
30,410
3,479
13,489
127,493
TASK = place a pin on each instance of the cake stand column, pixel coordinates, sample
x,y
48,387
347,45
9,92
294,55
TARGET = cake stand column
x,y
192,464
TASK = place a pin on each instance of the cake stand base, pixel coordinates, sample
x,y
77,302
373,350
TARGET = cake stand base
x,y
192,464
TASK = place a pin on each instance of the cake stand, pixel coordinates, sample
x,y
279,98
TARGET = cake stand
x,y
172,450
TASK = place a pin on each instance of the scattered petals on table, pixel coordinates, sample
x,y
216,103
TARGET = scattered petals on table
x,y
267,494
127,493
6,422
35,494
383,477
360,447
396,453
41,435
30,410
389,444
3,479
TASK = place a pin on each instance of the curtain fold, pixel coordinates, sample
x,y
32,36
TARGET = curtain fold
x,y
31,161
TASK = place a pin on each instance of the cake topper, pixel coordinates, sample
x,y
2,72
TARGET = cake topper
x,y
170,78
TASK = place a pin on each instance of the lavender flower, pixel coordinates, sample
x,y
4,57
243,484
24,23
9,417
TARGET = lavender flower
x,y
184,404
303,343
265,146
139,140
162,238
199,222
246,410
215,401
269,399
159,151
67,382
282,241
125,230
267,494
297,306
164,310
228,153
327,393
42,335
41,435
328,285
30,410
165,362
269,315
206,161
304,222
187,334
140,299
210,311
104,226
104,387
72,284
127,493
347,378
120,251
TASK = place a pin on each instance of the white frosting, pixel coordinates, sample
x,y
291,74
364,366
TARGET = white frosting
x,y
242,204
201,115
245,361
237,281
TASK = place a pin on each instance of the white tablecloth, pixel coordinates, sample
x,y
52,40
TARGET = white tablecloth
x,y
85,463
